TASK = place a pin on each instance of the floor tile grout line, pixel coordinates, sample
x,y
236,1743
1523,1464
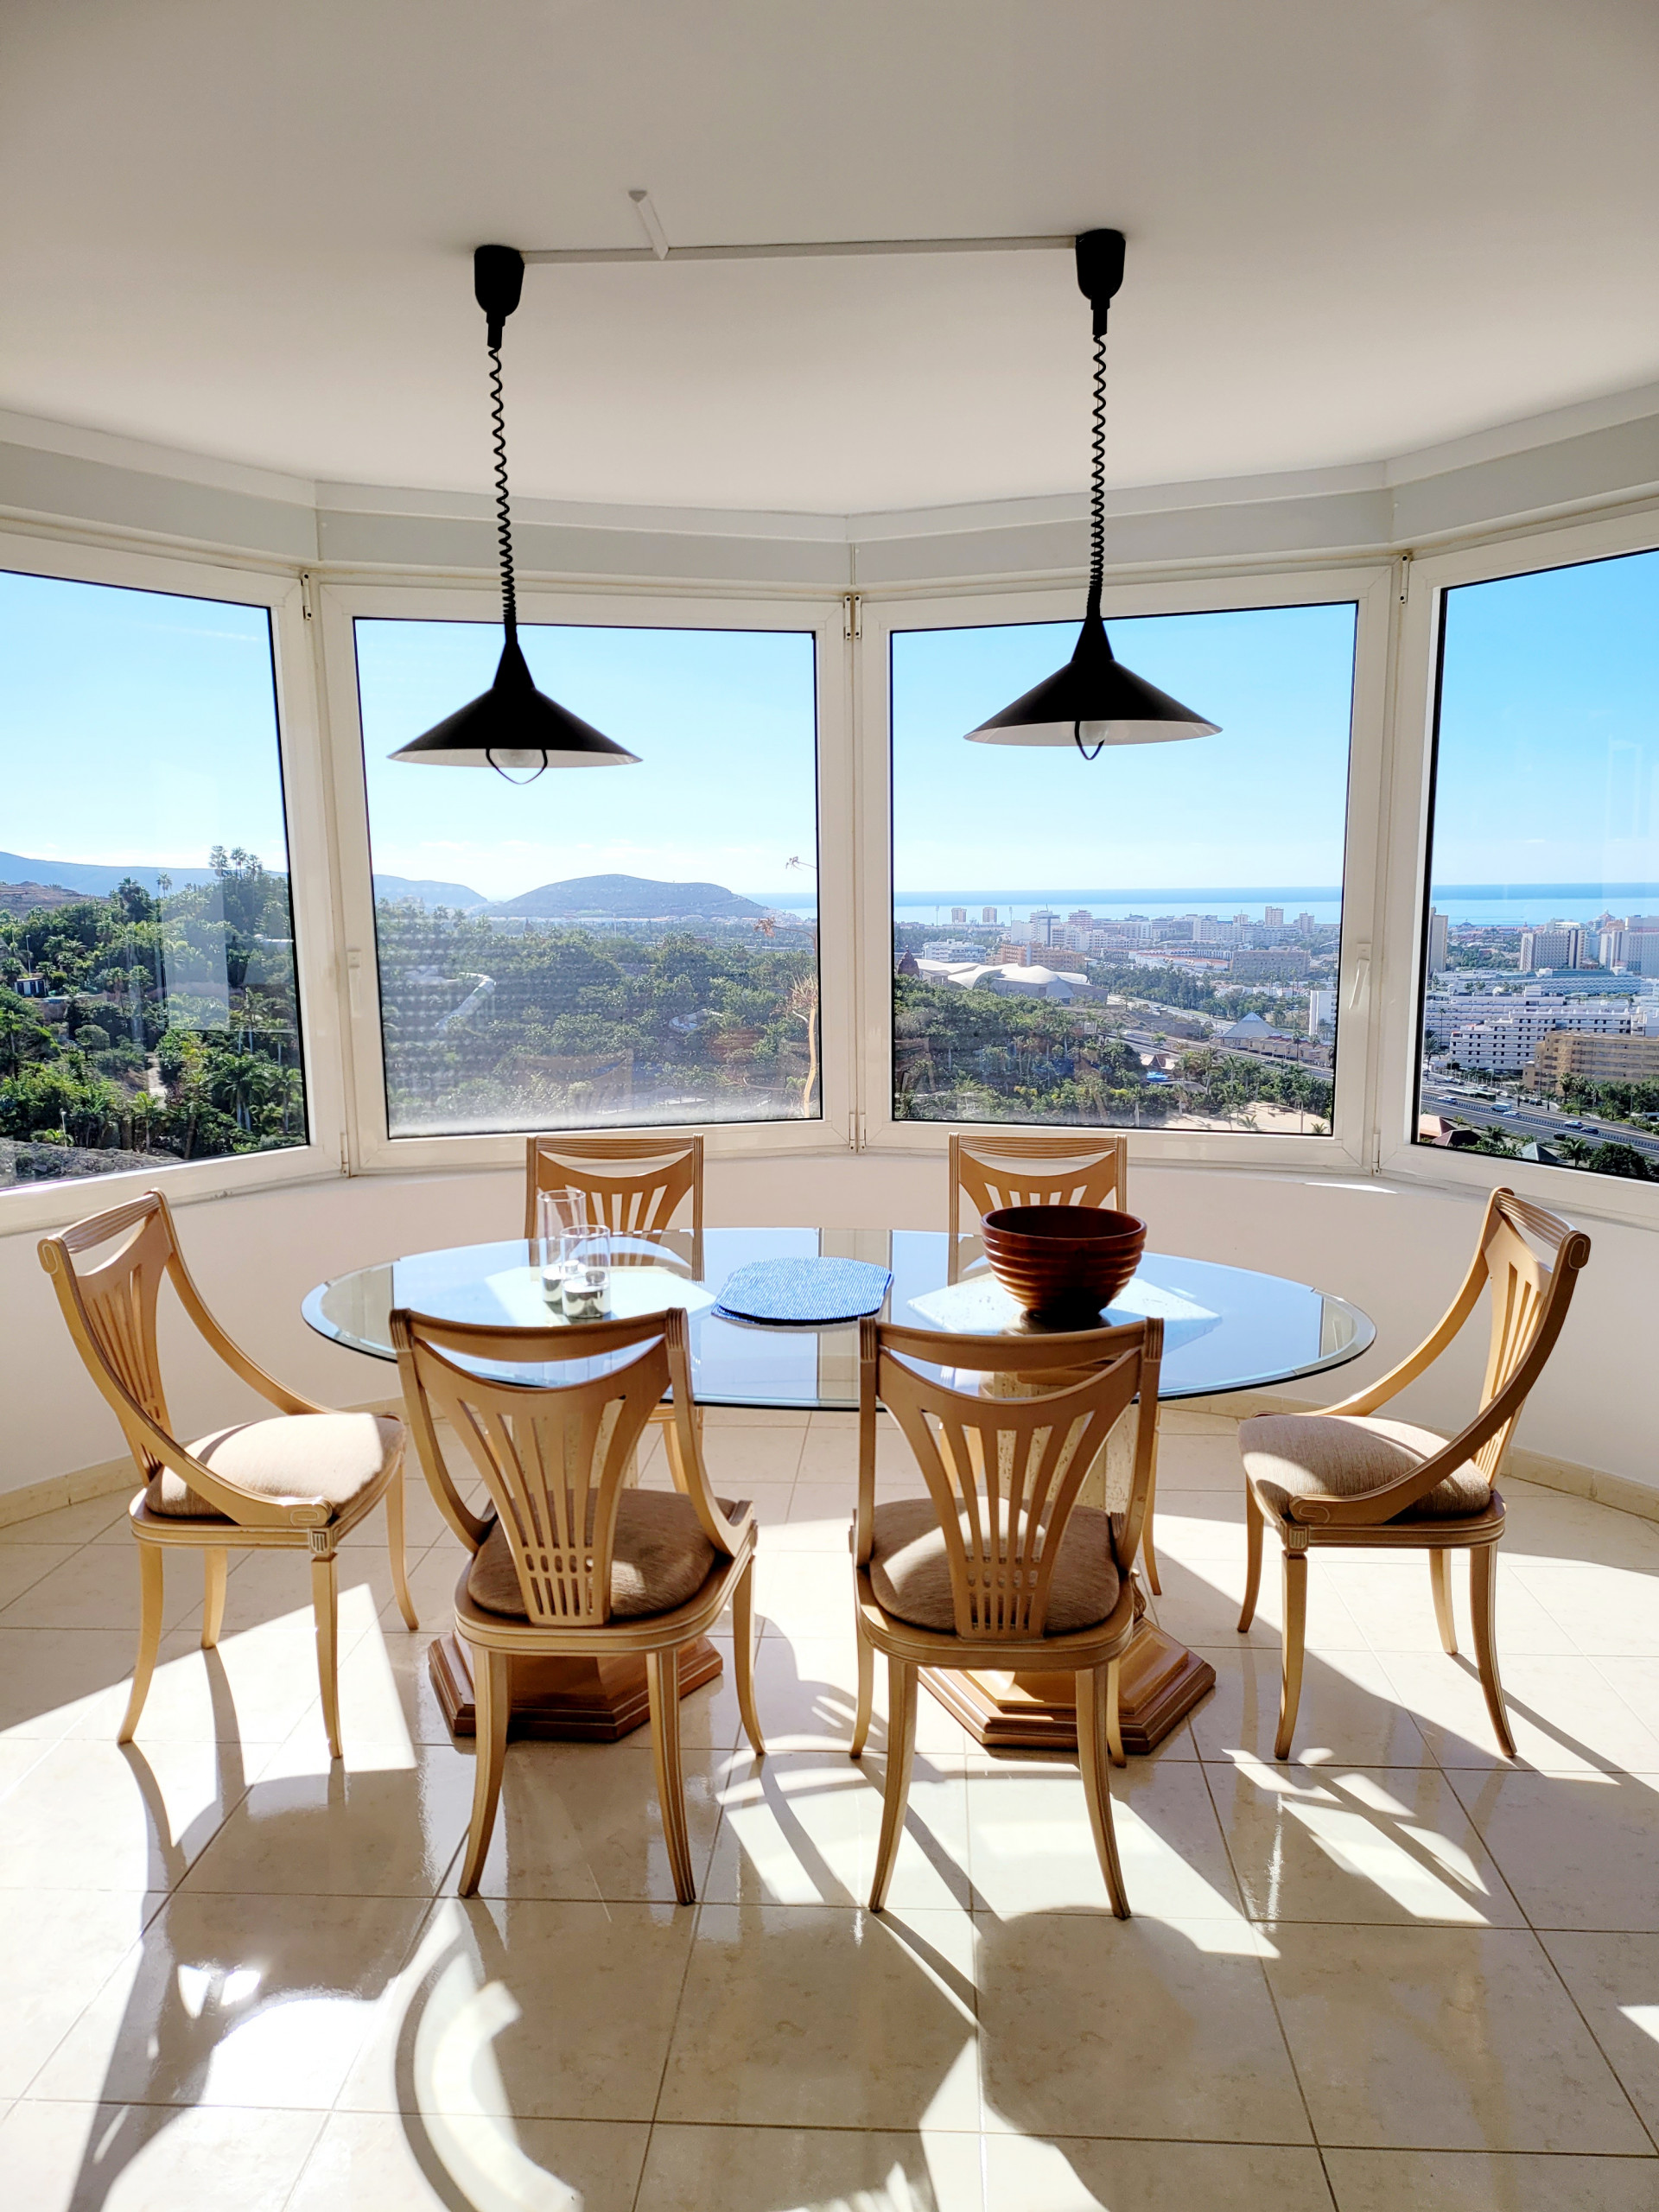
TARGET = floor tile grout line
x,y
1589,2029
1266,1984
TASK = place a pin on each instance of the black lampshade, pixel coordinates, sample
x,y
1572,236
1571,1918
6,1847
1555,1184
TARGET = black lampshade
x,y
1093,700
514,726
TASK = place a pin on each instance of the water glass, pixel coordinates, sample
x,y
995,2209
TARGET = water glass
x,y
586,1293
561,1218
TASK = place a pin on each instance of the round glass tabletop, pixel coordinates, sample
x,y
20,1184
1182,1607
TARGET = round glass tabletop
x,y
1224,1328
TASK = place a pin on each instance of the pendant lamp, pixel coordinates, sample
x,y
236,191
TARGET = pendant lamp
x,y
512,726
1094,700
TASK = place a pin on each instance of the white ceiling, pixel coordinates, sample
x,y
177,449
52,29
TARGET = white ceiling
x,y
246,229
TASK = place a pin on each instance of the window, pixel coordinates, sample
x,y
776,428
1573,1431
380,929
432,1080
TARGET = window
x,y
1540,1034
599,948
1149,940
148,1006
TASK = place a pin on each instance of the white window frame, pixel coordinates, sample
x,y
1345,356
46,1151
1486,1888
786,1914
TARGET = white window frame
x,y
373,1150
1519,553
29,1207
1370,586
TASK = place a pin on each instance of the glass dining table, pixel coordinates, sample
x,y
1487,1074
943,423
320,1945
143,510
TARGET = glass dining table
x,y
1226,1329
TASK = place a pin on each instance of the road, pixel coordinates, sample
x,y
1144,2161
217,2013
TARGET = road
x,y
1529,1124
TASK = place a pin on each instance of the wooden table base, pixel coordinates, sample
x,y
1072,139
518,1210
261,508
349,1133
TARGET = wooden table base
x,y
1159,1684
580,1701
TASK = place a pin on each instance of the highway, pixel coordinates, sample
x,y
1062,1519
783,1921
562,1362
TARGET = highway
x,y
1529,1124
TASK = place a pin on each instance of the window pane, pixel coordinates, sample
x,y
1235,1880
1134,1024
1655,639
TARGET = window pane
x,y
1147,940
1541,1007
595,948
148,1010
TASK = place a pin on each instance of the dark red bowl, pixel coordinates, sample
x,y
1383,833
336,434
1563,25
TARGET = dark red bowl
x,y
1061,1258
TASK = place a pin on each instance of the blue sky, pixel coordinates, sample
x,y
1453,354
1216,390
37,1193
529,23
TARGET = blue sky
x,y
724,722
1549,766
137,727
1262,802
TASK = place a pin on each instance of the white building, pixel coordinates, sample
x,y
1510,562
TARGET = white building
x,y
1505,1046
1061,986
1437,922
951,951
1321,1008
1561,946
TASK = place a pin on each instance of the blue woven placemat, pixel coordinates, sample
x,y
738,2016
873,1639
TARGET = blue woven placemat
x,y
803,1291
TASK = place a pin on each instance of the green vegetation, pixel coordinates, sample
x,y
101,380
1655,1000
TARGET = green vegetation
x,y
492,1029
168,1026
976,1055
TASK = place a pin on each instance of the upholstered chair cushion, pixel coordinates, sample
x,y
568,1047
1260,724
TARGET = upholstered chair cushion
x,y
660,1558
910,1571
1346,1455
302,1458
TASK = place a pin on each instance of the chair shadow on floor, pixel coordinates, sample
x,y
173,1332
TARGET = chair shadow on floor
x,y
458,2009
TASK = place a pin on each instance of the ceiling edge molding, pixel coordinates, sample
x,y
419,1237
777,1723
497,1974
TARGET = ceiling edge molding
x,y
1592,454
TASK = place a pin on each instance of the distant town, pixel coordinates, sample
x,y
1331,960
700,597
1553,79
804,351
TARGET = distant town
x,y
1542,1041
147,1013
1201,1021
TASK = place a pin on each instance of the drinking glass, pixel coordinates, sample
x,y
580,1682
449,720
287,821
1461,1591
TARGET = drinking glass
x,y
587,1287
560,1217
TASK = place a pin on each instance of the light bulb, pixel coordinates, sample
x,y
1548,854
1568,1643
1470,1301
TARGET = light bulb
x,y
513,758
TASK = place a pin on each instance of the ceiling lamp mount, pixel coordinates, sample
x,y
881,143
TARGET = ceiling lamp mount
x,y
1094,701
512,727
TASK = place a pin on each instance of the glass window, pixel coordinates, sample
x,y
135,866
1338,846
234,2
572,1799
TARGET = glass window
x,y
1540,1003
1147,940
605,947
148,1009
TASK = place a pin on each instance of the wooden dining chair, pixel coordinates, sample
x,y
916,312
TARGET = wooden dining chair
x,y
1036,1167
297,1481
1041,1167
571,1562
998,1566
634,1184
1341,1477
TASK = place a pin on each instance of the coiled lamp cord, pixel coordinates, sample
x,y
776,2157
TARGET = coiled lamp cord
x,y
503,521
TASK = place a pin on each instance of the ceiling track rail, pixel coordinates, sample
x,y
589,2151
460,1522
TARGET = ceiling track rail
x,y
815,250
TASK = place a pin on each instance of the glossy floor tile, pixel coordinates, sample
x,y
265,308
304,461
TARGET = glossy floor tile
x,y
1395,1973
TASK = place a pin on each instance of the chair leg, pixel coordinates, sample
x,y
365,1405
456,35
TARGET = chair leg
x,y
1290,1695
662,1686
1096,1701
1114,1717
395,1550
150,1584
324,1604
492,1707
1252,1557
1146,1551
743,1638
214,1567
1483,1596
901,1751
866,1690
1439,1575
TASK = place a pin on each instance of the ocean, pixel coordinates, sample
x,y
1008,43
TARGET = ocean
x,y
1509,906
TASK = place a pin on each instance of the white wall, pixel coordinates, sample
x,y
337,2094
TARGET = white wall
x,y
1398,1252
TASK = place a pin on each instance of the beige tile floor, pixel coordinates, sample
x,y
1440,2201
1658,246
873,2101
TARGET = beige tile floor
x,y
1394,1971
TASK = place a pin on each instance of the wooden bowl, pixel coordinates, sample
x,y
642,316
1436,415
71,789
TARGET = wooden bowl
x,y
1062,1259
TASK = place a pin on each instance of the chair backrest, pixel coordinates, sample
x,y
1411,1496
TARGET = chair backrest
x,y
554,1457
1010,1468
1030,1167
1530,1296
636,1184
110,1309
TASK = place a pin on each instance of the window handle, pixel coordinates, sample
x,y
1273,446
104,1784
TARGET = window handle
x,y
1359,982
354,972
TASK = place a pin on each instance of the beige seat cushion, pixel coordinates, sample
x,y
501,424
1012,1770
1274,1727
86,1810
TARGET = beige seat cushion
x,y
1346,1455
660,1558
909,1572
302,1458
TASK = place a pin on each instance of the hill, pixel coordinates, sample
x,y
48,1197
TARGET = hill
x,y
632,897
25,897
429,893
90,879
